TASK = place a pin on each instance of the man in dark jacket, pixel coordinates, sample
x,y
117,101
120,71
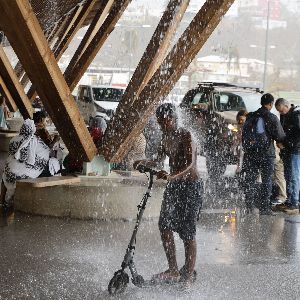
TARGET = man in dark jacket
x,y
261,160
290,152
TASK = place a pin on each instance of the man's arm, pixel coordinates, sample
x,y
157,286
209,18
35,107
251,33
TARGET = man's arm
x,y
297,121
276,130
153,163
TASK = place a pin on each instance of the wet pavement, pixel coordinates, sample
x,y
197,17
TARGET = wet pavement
x,y
239,257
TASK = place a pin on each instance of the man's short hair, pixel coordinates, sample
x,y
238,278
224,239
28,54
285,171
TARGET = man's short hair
x,y
241,113
166,110
266,99
38,116
282,101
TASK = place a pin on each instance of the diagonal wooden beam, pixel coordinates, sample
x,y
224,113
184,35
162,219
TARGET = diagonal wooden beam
x,y
30,45
97,21
76,24
9,99
130,124
67,26
73,74
71,29
19,68
155,52
13,85
56,28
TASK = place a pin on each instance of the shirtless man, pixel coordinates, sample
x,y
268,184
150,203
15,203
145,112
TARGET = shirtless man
x,y
182,197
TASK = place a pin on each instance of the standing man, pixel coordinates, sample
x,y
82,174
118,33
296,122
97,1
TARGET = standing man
x,y
4,113
290,152
259,132
182,197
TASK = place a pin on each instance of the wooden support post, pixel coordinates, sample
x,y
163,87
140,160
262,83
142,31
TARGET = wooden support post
x,y
63,34
9,99
56,28
77,19
128,126
13,85
98,20
30,45
74,74
19,68
155,52
74,27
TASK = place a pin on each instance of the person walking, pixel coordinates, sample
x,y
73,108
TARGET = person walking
x,y
290,152
259,132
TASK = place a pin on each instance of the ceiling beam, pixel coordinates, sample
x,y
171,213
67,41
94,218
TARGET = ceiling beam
x,y
129,125
155,52
74,74
77,23
19,68
14,86
71,18
63,41
31,46
97,21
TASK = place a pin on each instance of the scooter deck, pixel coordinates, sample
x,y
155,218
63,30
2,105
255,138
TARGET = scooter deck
x,y
153,282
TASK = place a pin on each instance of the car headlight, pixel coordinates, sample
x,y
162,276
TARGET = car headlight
x,y
232,128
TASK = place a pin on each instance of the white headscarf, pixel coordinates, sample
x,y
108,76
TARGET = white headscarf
x,y
27,132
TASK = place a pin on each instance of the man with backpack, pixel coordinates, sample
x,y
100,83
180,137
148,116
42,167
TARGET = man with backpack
x,y
290,153
259,132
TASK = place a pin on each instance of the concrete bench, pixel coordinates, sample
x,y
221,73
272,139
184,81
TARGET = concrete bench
x,y
5,137
106,198
48,181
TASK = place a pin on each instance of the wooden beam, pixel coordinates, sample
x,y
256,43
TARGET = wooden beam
x,y
68,25
155,52
56,28
10,102
19,68
71,29
13,85
30,45
77,23
73,75
98,20
129,125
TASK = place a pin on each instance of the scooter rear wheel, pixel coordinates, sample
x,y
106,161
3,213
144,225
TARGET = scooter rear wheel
x,y
118,283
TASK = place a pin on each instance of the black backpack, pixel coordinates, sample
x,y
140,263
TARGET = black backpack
x,y
254,136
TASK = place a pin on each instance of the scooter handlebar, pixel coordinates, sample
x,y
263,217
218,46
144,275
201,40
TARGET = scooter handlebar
x,y
144,169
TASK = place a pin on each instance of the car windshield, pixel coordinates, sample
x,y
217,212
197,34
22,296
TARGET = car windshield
x,y
200,98
107,94
227,101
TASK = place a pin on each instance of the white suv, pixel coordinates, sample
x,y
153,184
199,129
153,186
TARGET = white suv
x,y
98,100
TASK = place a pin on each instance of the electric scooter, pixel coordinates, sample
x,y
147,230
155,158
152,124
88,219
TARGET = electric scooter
x,y
118,283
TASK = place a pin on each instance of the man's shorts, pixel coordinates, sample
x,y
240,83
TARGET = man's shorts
x,y
180,207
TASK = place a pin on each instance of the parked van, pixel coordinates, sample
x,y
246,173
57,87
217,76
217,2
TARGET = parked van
x,y
98,100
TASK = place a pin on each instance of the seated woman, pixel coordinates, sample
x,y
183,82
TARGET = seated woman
x,y
28,157
41,131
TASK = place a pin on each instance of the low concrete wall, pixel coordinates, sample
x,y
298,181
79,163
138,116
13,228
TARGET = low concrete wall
x,y
95,198
5,137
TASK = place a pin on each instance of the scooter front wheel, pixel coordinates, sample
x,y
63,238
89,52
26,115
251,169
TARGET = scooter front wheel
x,y
118,283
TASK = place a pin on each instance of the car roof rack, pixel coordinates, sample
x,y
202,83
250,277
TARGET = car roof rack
x,y
228,85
